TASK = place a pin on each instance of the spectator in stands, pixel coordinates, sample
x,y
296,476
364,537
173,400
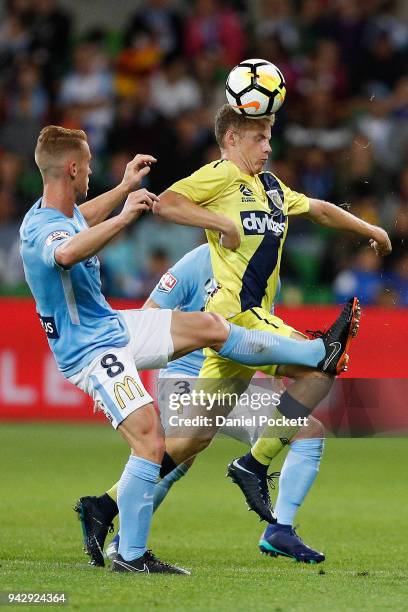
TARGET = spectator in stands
x,y
26,106
399,279
346,23
165,24
210,81
137,125
50,40
118,265
12,204
217,28
385,64
316,175
137,61
86,95
363,278
14,36
275,19
173,90
188,143
143,284
317,123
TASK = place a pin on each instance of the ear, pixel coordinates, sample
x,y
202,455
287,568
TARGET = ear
x,y
230,138
72,169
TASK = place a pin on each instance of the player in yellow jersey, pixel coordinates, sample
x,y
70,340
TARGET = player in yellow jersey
x,y
245,213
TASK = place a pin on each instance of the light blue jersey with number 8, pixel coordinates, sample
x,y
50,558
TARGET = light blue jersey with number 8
x,y
78,321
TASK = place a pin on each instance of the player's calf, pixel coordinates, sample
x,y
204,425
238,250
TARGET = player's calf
x,y
143,431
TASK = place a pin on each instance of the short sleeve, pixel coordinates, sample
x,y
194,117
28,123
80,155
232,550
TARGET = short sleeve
x,y
207,183
49,238
174,288
297,203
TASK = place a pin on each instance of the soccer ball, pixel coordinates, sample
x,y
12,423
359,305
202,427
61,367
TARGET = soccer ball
x,y
255,88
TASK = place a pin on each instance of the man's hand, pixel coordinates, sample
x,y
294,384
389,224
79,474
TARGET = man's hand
x,y
136,170
230,238
380,242
136,203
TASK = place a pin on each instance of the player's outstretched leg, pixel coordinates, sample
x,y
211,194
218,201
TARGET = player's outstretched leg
x,y
191,331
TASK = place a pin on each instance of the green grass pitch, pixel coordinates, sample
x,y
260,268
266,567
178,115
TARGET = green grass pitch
x,y
356,513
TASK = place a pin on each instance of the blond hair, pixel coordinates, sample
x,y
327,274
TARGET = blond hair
x,y
55,141
226,118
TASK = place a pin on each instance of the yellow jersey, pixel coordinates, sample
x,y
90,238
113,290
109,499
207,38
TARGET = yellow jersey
x,y
260,206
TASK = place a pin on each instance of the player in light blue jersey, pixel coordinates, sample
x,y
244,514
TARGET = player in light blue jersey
x,y
99,349
186,286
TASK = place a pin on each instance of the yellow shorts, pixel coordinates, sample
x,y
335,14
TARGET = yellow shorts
x,y
215,366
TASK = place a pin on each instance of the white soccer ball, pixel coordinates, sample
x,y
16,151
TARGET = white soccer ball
x,y
255,88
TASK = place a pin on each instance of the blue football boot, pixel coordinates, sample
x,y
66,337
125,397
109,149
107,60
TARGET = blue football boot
x,y
283,541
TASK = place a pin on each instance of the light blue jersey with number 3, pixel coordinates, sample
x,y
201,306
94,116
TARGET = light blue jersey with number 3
x,y
186,286
77,319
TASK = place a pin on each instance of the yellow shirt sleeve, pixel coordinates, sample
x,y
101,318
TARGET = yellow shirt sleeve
x,y
207,183
297,203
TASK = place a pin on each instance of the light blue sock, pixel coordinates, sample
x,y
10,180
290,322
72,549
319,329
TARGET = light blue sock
x,y
135,502
164,485
256,348
298,474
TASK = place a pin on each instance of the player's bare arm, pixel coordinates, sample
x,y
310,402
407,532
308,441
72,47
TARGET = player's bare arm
x,y
98,209
177,208
330,215
90,241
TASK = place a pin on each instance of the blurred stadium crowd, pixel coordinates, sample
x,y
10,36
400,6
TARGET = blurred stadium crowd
x,y
342,134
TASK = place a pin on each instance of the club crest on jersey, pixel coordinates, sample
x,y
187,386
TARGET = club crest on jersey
x,y
247,194
258,223
275,197
167,282
57,235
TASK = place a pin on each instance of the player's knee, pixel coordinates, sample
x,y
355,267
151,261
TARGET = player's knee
x,y
143,431
315,428
193,446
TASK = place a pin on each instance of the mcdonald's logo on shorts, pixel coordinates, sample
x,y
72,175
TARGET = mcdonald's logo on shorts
x,y
130,388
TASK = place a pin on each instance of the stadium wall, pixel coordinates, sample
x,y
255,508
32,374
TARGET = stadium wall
x,y
31,388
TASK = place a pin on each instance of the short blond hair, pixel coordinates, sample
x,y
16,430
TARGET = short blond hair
x,y
226,118
55,141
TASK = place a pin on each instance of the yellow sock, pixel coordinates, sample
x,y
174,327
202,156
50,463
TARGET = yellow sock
x,y
113,492
266,449
272,440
